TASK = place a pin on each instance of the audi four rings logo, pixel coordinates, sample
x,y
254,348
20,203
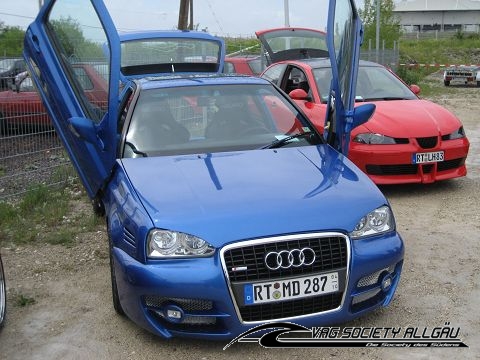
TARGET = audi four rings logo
x,y
286,259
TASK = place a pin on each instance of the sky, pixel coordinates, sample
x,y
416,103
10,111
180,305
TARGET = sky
x,y
218,17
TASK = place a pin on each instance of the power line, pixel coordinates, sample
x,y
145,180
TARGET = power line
x,y
20,16
215,16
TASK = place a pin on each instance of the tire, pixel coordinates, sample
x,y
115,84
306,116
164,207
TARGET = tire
x,y
115,298
478,83
98,207
3,296
447,83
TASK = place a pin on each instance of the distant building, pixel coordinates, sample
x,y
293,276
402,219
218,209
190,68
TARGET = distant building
x,y
440,15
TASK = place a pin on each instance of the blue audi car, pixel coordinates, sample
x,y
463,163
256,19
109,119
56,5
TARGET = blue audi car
x,y
225,207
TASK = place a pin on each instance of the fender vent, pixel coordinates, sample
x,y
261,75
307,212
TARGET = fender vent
x,y
129,237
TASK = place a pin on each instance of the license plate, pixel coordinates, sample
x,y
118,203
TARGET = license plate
x,y
430,157
296,288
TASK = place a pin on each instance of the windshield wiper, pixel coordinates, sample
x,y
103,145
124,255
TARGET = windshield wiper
x,y
280,142
134,149
386,98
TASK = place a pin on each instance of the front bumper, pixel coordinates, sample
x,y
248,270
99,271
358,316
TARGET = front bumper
x,y
392,164
193,298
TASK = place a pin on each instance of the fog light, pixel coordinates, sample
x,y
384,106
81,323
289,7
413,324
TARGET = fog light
x,y
173,313
386,283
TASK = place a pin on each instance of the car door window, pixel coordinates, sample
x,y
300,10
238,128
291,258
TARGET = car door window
x,y
274,72
83,78
78,39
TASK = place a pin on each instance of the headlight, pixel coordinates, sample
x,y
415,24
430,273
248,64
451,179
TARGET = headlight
x,y
377,222
167,244
458,134
374,139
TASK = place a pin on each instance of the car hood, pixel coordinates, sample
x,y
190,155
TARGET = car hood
x,y
225,197
411,118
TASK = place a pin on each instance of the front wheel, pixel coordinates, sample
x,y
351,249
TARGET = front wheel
x,y
446,82
3,295
115,297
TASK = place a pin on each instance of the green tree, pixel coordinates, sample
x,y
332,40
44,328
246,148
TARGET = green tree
x,y
11,40
390,30
72,39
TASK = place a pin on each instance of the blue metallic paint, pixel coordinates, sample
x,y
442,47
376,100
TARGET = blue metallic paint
x,y
179,192
194,205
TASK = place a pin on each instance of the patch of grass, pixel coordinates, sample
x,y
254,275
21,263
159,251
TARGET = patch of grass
x,y
61,237
51,215
463,50
23,300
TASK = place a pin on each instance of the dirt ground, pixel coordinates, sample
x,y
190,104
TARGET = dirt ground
x,y
73,318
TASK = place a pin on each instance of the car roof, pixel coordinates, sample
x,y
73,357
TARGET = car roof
x,y
325,62
199,80
161,34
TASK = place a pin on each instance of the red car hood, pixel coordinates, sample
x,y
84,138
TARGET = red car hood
x,y
410,118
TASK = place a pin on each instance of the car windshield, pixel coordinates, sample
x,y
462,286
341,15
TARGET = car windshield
x,y
374,83
169,55
205,119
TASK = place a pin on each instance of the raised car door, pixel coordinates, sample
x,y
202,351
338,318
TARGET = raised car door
x,y
292,44
65,36
344,36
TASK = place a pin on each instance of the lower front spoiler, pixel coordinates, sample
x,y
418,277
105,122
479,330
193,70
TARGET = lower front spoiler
x,y
171,299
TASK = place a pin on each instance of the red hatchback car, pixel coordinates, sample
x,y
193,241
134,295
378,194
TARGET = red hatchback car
x,y
249,65
21,108
407,140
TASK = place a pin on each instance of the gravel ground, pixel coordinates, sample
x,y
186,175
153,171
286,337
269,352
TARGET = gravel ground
x,y
73,318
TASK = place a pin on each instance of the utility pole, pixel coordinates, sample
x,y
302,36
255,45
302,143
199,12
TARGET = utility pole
x,y
377,36
183,15
191,15
186,9
287,13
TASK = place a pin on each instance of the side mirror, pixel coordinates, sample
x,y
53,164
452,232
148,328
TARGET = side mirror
x,y
84,128
415,89
362,113
299,94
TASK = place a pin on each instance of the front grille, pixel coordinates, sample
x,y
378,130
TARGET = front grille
x,y
427,169
291,308
330,252
427,142
450,164
186,304
246,264
403,169
401,140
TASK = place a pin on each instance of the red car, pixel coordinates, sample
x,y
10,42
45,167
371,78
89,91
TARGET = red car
x,y
407,140
21,108
249,65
